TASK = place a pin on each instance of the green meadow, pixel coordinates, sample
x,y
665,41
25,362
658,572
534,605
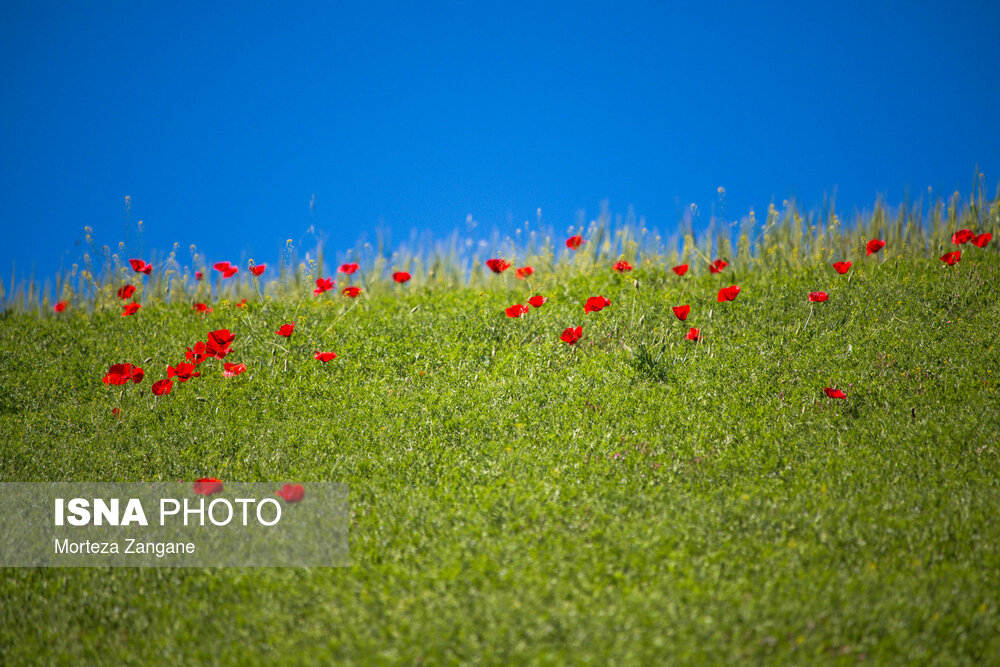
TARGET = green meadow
x,y
637,497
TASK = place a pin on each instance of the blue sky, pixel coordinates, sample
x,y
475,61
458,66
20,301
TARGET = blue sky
x,y
222,120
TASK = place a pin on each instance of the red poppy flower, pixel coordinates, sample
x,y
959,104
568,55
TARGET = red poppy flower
x,y
951,258
595,304
842,267
286,330
59,307
140,266
523,272
232,370
123,374
682,311
834,393
962,236
693,334
202,308
497,265
874,246
119,374
162,387
257,270
198,275
680,269
717,266
197,355
728,293
242,304
131,309
622,267
218,343
221,337
126,292
291,493
207,486
401,276
115,411
348,268
517,310
222,267
817,297
574,242
323,285
981,240
571,335
230,272
183,371
325,356
537,300
351,292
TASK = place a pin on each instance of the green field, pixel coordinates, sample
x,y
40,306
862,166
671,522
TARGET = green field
x,y
637,497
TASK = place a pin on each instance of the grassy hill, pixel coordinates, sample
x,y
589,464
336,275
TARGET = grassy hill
x,y
636,497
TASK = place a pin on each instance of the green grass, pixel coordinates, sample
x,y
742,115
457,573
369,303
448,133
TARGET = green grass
x,y
636,498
